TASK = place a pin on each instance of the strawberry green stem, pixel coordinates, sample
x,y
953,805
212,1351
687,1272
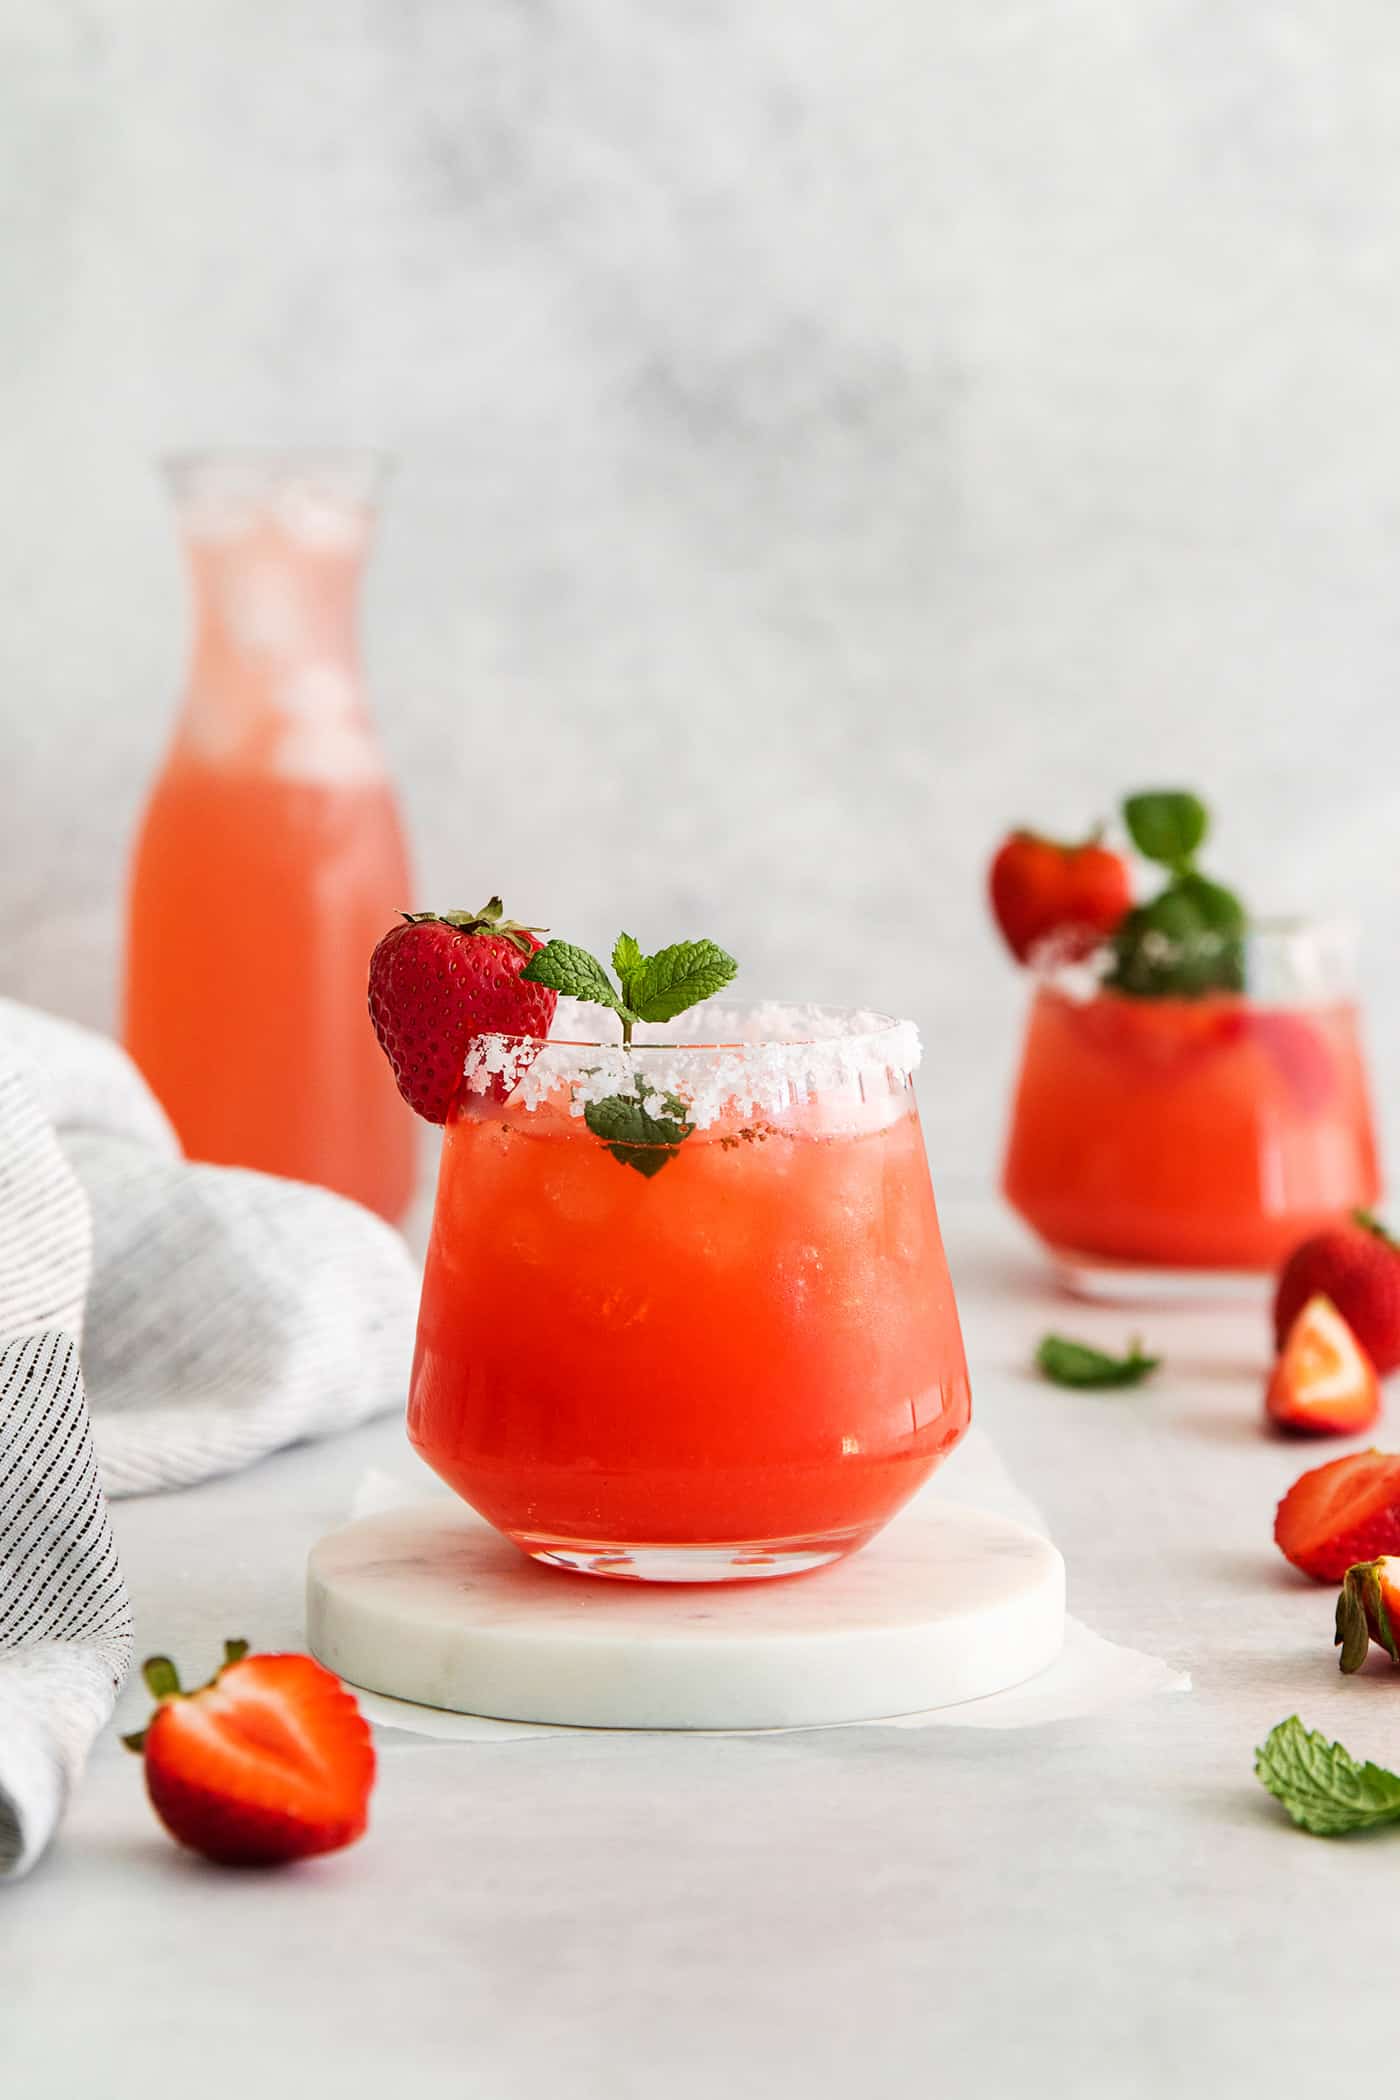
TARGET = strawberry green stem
x,y
163,1683
488,920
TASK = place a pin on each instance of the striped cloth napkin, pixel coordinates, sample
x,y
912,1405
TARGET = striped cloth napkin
x,y
218,1315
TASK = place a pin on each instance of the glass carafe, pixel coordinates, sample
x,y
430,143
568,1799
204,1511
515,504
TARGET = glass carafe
x,y
270,858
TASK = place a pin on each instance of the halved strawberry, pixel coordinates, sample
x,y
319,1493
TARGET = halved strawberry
x,y
1324,1383
1356,1264
269,1761
1368,1609
440,979
1341,1513
1300,1053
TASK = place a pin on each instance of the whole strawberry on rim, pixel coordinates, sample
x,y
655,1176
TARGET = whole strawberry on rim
x,y
441,978
1041,887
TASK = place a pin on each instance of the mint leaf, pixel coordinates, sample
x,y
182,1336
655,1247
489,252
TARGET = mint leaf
x,y
636,1136
654,987
1167,825
1075,1363
1217,909
627,960
1321,1785
576,973
675,978
1186,941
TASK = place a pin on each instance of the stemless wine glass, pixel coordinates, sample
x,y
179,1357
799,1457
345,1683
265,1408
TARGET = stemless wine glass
x,y
686,1315
1160,1142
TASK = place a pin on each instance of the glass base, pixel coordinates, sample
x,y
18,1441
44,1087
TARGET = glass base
x,y
740,1562
1127,1283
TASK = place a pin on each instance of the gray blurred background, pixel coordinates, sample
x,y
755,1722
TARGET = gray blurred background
x,y
827,433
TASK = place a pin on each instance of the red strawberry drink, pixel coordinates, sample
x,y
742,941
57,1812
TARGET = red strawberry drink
x,y
1204,1131
1192,1095
686,1315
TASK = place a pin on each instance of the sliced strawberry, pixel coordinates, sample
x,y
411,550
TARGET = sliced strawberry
x,y
1300,1054
1040,887
1341,1513
1356,1264
270,1761
437,981
1164,1040
1368,1609
1324,1383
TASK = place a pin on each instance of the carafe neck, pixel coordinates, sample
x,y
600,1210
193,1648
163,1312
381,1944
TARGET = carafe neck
x,y
276,550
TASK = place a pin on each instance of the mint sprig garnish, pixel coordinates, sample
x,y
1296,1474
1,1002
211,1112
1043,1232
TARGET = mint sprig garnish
x,y
635,1133
579,975
1189,938
628,961
643,1129
1167,825
653,987
658,987
1321,1785
1066,1362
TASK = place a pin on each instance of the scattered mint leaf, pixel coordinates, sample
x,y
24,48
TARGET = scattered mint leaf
x,y
1321,1785
1167,825
675,978
634,1134
576,973
1075,1363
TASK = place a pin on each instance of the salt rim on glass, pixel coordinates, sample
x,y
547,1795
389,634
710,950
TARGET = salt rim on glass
x,y
1288,962
719,1059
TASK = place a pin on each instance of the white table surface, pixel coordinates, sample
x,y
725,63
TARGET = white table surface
x,y
1105,1906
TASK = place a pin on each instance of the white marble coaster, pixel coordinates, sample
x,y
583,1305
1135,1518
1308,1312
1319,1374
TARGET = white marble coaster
x,y
431,1605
